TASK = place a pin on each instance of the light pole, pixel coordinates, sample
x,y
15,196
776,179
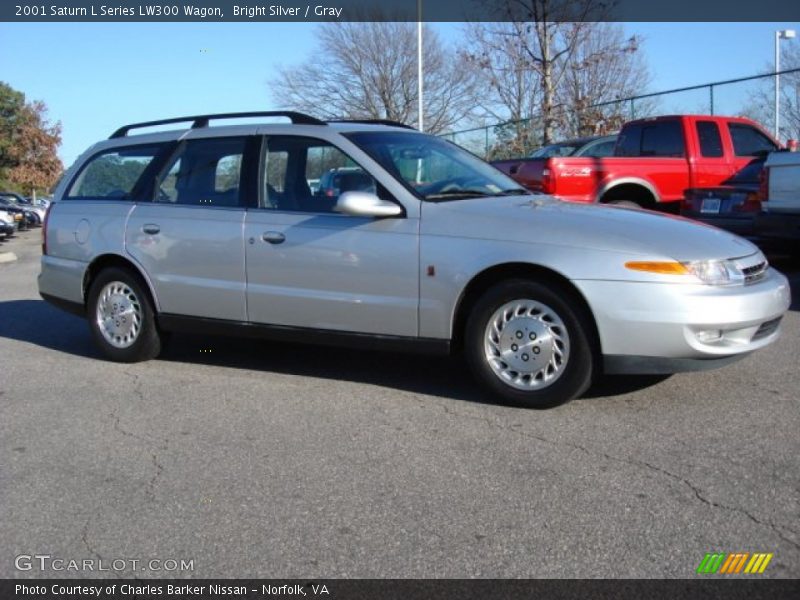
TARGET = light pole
x,y
781,34
420,103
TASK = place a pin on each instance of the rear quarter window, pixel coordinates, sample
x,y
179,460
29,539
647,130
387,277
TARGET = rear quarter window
x,y
113,174
663,138
657,139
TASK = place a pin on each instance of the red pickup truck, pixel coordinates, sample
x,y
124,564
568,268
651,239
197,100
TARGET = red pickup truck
x,y
655,160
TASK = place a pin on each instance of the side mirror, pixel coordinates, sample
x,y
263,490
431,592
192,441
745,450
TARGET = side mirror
x,y
366,204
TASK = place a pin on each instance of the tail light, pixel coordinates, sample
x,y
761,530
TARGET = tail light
x,y
763,185
751,203
548,181
44,228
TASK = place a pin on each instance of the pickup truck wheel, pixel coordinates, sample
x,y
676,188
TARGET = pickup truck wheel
x,y
527,343
121,317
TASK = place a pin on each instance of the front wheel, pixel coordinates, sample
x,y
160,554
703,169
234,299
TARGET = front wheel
x,y
121,317
529,344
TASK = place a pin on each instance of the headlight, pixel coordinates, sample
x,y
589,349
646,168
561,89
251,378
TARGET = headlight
x,y
709,272
715,272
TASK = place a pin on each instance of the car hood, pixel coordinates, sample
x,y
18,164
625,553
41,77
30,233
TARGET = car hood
x,y
546,220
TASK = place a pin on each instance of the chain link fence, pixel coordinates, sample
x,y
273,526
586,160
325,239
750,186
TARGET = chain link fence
x,y
746,96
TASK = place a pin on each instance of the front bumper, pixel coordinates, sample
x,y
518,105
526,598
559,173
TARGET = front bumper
x,y
667,327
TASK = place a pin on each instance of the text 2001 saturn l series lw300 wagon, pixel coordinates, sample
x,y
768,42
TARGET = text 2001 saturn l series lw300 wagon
x,y
377,235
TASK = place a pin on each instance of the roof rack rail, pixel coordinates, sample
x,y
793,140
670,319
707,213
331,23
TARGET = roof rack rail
x,y
200,121
374,122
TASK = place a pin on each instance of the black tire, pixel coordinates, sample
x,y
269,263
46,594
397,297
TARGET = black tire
x,y
576,371
147,343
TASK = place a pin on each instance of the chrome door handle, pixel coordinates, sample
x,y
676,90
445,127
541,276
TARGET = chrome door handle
x,y
151,228
273,237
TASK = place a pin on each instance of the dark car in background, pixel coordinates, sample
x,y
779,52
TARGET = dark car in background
x,y
345,179
733,205
594,146
532,167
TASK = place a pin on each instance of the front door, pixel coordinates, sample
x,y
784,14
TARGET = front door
x,y
309,266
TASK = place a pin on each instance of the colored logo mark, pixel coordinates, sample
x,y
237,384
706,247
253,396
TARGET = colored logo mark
x,y
727,564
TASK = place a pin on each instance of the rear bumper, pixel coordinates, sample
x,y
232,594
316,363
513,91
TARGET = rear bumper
x,y
665,327
62,278
75,308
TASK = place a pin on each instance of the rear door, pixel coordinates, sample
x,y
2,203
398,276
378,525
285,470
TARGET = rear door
x,y
189,238
664,141
710,165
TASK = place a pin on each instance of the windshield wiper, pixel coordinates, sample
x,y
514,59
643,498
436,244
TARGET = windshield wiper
x,y
513,192
473,193
455,194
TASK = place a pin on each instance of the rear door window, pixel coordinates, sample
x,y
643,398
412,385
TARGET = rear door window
x,y
710,140
204,172
113,174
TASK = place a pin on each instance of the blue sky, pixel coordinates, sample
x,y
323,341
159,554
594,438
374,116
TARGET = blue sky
x,y
95,77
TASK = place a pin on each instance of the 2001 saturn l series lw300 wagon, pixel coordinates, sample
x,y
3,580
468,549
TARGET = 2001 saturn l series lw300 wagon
x,y
376,235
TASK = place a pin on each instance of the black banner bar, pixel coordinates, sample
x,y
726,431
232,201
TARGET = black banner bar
x,y
398,10
733,588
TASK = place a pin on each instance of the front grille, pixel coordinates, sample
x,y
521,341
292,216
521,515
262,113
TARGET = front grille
x,y
754,273
767,328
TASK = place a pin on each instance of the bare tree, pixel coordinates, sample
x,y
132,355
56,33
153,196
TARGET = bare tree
x,y
760,104
369,70
605,68
510,87
541,66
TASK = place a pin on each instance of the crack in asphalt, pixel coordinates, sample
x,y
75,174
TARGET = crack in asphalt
x,y
160,445
515,428
150,492
90,548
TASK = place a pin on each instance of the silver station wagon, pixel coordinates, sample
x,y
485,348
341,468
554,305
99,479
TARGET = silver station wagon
x,y
375,235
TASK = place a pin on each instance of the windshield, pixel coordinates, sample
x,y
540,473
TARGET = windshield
x,y
556,150
434,169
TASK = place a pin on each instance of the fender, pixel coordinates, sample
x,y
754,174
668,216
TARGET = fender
x,y
606,187
129,261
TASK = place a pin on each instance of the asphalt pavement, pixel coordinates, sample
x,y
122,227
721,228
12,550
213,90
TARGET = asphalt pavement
x,y
257,459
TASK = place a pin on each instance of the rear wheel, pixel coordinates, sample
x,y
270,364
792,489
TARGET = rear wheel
x,y
528,344
121,317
